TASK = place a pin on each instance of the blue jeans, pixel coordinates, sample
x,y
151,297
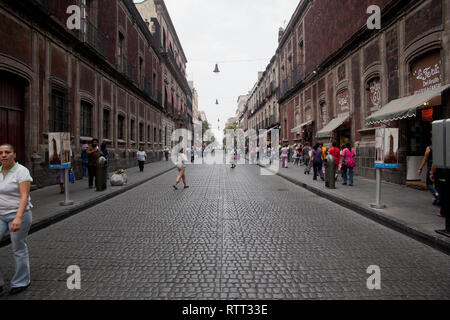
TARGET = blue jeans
x,y
19,248
350,172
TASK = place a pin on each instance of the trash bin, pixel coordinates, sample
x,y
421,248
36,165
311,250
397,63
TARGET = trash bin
x,y
330,172
100,174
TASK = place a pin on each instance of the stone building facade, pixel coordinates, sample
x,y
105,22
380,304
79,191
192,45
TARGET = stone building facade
x,y
102,80
335,73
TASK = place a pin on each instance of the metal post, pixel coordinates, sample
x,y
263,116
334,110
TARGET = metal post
x,y
66,201
377,204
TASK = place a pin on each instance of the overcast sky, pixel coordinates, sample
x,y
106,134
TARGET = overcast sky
x,y
211,31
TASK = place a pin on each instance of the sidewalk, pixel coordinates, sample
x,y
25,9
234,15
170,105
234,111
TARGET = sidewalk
x,y
48,211
408,210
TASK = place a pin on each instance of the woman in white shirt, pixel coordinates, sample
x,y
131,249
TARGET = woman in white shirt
x,y
141,156
15,214
181,166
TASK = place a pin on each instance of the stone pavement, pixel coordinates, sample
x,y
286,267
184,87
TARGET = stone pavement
x,y
47,209
234,234
407,209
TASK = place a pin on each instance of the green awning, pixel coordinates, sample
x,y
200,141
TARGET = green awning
x,y
404,107
330,127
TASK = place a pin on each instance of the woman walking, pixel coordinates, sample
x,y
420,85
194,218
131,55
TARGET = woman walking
x,y
181,166
141,157
317,160
348,163
285,156
15,214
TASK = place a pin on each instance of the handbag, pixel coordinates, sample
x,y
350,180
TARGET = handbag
x,y
71,176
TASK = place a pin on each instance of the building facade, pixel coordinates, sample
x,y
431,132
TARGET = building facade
x,y
337,75
102,79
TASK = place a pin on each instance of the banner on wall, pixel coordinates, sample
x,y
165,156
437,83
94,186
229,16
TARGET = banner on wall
x,y
386,148
59,150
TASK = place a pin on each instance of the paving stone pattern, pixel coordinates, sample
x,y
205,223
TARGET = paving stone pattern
x,y
233,235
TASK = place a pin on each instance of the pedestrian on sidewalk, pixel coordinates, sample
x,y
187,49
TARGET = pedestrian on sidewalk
x,y
324,156
141,157
336,153
181,166
317,160
285,156
84,158
15,215
441,178
349,163
307,158
428,160
93,154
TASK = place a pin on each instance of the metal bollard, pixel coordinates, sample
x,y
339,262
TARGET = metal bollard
x,y
330,172
100,174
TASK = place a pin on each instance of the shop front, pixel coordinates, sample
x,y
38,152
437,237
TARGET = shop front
x,y
414,114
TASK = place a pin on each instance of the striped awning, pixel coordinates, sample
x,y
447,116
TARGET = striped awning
x,y
404,107
331,126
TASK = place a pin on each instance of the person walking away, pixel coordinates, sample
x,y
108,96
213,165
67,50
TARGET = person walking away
x,y
336,153
442,179
306,158
105,152
285,156
141,157
93,154
428,160
84,158
348,157
181,166
15,215
317,160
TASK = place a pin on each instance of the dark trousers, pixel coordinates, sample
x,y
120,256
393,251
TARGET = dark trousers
x,y
317,165
92,174
141,165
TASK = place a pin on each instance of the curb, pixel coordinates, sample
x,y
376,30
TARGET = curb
x,y
73,210
395,224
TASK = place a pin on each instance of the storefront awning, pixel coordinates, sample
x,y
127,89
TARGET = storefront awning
x,y
404,107
330,127
299,128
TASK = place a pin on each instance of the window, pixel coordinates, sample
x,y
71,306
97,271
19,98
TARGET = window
x,y
141,132
86,119
132,130
323,113
154,135
120,52
106,115
160,136
141,67
120,122
59,114
165,136
373,93
148,134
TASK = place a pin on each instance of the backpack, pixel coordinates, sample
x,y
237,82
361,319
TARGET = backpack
x,y
349,160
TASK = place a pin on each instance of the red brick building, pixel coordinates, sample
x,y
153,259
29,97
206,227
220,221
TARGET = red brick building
x,y
102,81
335,74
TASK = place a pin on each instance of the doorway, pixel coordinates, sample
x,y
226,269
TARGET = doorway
x,y
12,93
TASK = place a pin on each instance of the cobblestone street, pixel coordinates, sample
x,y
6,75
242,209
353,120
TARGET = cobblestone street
x,y
231,235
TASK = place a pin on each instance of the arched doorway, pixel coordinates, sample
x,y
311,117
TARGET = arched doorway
x,y
12,95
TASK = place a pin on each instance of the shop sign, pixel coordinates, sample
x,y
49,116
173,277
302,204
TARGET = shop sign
x,y
59,150
426,73
343,104
386,147
375,95
427,115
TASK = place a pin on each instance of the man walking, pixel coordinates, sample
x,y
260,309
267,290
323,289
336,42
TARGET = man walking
x,y
93,154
